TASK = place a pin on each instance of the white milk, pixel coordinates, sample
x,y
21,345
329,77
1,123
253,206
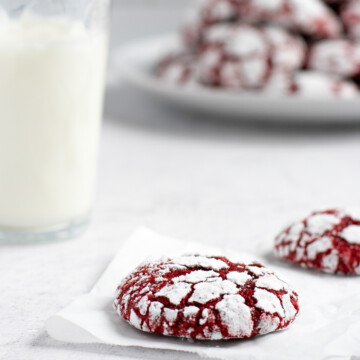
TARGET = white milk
x,y
51,92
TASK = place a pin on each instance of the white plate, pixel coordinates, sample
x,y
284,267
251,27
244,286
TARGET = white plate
x,y
134,64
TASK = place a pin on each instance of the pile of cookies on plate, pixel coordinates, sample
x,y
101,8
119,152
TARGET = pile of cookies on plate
x,y
309,48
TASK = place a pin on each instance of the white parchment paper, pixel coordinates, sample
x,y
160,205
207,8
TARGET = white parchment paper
x,y
328,326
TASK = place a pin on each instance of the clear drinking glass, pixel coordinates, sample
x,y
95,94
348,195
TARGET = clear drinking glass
x,y
52,68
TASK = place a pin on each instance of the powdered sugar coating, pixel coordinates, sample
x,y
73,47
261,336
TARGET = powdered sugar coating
x,y
320,223
206,297
267,324
268,302
205,13
321,245
236,315
310,17
245,56
178,69
351,234
326,240
192,261
288,49
311,85
340,57
271,282
239,278
175,292
350,15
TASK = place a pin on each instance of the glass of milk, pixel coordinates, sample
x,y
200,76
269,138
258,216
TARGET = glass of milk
x,y
52,67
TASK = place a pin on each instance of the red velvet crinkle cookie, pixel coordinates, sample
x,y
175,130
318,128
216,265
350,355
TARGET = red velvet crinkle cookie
x,y
204,14
206,298
310,85
245,56
326,240
310,17
179,69
340,57
350,15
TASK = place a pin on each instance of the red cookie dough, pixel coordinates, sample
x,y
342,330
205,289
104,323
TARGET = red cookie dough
x,y
310,17
206,298
245,56
340,57
326,240
179,69
350,15
311,85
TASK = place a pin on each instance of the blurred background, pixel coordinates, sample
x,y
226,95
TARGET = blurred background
x,y
183,173
155,17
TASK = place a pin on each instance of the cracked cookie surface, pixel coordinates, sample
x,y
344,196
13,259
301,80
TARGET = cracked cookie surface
x,y
312,18
340,57
245,56
206,297
311,84
179,69
326,240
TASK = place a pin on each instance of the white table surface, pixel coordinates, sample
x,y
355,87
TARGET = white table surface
x,y
184,175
